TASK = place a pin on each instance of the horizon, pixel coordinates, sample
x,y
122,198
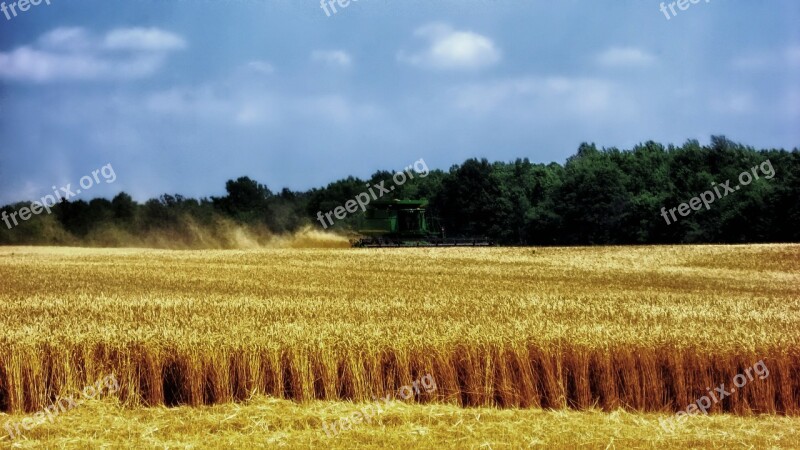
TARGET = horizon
x,y
276,190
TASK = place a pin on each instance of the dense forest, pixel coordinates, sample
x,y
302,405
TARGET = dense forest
x,y
599,196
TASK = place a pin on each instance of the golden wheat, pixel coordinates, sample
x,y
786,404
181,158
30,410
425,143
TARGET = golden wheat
x,y
645,328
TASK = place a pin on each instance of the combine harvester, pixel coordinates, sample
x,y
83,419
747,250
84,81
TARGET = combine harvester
x,y
405,223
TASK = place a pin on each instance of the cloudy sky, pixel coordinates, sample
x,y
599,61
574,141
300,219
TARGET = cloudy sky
x,y
182,95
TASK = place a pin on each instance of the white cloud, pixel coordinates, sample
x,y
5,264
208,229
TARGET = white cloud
x,y
768,59
66,38
625,57
550,94
148,39
212,104
261,67
338,58
450,49
752,62
734,103
792,55
74,54
254,104
791,102
27,64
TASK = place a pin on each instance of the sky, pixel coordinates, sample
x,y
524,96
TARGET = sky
x,y
182,95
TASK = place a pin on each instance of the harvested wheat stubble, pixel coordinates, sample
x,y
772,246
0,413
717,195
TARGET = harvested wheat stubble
x,y
268,423
647,328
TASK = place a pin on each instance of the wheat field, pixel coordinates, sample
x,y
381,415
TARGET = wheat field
x,y
644,329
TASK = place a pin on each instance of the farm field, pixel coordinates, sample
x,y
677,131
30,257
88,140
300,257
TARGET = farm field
x,y
504,332
272,423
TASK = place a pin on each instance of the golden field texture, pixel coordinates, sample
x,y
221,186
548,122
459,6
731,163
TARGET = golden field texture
x,y
271,423
639,328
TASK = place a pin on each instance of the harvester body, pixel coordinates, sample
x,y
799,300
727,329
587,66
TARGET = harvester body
x,y
405,223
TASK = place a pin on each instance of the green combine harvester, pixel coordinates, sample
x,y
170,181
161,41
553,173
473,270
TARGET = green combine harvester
x,y
405,223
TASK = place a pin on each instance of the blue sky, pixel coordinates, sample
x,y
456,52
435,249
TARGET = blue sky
x,y
182,95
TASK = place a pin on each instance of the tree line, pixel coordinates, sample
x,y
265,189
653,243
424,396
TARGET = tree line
x,y
597,197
